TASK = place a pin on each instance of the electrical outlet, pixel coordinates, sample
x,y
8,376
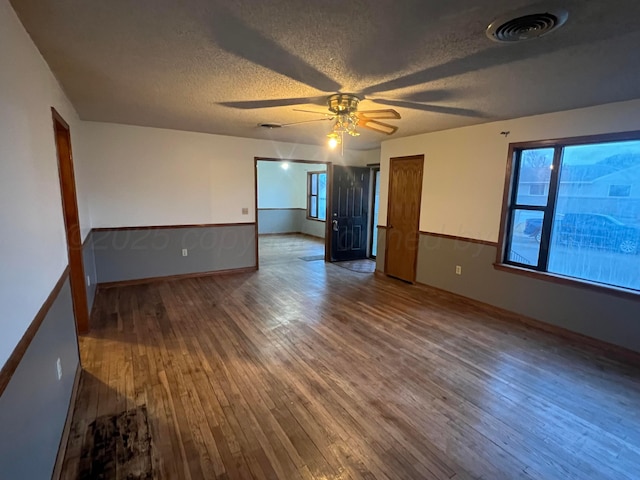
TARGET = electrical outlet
x,y
185,252
59,369
88,281
245,211
458,270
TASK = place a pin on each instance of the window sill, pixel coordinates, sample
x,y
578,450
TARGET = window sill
x,y
569,281
316,219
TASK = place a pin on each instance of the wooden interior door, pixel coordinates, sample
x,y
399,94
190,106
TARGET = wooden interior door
x,y
71,222
349,213
403,217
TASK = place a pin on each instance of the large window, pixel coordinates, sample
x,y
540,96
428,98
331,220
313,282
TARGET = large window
x,y
317,195
574,209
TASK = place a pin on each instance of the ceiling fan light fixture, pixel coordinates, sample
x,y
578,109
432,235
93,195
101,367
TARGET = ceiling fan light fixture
x,y
334,140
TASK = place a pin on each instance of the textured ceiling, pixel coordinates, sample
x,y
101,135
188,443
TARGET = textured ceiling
x,y
220,66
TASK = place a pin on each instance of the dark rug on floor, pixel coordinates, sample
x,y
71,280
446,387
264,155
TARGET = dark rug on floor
x,y
118,447
312,258
360,266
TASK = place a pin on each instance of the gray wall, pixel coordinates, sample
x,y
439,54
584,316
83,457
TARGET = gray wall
x,y
281,220
145,253
34,406
314,228
288,220
599,315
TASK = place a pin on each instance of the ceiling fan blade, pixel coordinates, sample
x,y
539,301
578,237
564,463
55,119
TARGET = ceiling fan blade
x,y
281,102
465,112
388,114
377,126
232,34
314,111
305,121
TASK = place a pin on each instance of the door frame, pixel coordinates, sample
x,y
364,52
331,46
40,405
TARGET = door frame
x,y
327,231
389,196
69,201
373,230
366,199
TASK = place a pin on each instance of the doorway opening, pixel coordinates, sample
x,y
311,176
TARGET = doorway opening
x,y
292,207
310,210
71,221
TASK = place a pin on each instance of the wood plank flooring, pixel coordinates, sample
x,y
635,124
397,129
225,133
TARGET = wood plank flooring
x,y
304,370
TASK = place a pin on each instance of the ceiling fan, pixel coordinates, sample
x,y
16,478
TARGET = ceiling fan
x,y
234,35
347,118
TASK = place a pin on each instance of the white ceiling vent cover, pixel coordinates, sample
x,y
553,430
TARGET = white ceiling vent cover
x,y
526,25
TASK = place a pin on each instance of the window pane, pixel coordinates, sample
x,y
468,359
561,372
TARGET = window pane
x,y
525,237
322,184
596,235
313,207
619,190
322,196
314,184
322,208
535,173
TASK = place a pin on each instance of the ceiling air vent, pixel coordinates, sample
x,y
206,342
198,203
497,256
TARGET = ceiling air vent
x,y
270,125
526,27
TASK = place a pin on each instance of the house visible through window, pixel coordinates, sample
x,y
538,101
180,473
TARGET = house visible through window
x,y
537,189
573,210
317,195
619,190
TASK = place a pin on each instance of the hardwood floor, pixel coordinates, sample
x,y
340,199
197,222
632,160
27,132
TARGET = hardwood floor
x,y
285,249
305,370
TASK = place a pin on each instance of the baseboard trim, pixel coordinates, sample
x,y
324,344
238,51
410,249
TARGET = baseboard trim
x,y
164,227
170,278
20,349
279,233
284,208
616,352
289,233
460,239
62,448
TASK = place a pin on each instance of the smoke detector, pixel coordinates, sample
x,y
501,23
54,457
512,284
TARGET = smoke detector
x,y
526,25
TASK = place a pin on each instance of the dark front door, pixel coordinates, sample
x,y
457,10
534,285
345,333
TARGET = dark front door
x,y
349,213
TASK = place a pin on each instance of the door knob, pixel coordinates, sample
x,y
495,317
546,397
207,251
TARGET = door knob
x,y
335,225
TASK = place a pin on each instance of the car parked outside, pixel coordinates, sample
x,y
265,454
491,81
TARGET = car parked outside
x,y
592,230
595,230
533,228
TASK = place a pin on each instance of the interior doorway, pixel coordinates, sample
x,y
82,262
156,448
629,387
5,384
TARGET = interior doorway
x,y
291,209
71,221
299,203
403,217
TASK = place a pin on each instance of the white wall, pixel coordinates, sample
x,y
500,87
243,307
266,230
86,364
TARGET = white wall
x,y
464,170
148,176
33,251
280,188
